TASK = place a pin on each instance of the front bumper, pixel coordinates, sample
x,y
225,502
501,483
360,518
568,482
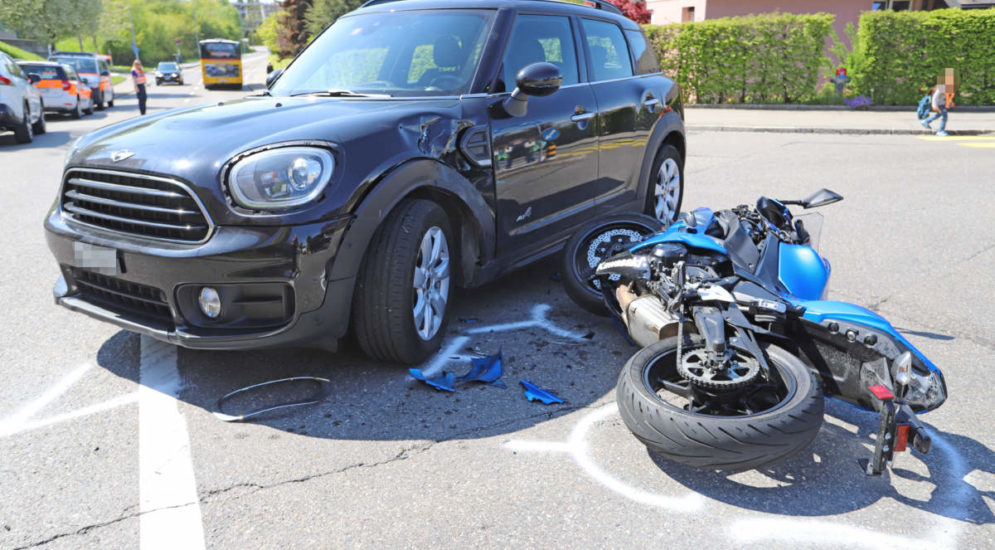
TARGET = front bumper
x,y
169,78
152,289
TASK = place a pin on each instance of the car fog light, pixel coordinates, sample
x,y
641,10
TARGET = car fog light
x,y
210,302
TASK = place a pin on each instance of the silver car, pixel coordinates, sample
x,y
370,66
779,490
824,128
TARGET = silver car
x,y
21,108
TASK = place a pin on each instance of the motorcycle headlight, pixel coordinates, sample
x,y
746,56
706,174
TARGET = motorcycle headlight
x,y
280,178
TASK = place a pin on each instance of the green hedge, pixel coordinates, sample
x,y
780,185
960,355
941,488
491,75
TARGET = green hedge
x,y
18,53
906,51
768,58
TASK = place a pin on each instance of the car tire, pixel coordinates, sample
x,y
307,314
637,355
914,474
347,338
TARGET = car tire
x,y
100,102
729,443
24,132
404,280
596,241
110,102
39,127
77,112
665,190
89,110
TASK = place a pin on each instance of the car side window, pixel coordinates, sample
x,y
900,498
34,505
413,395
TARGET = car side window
x,y
645,56
536,38
609,53
15,70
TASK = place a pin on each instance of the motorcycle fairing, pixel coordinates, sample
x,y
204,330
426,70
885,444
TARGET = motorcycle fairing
x,y
820,311
681,232
802,272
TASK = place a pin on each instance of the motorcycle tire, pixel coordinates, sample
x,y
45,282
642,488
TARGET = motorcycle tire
x,y
729,443
582,253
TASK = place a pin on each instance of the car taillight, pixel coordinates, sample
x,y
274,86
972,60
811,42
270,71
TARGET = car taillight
x,y
4,81
65,85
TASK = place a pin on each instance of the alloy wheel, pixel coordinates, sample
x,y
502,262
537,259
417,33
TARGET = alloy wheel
x,y
667,190
431,283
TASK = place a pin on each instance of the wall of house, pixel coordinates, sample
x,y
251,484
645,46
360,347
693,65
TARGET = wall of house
x,y
669,11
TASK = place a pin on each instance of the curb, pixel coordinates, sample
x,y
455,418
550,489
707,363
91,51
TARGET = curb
x,y
800,107
851,131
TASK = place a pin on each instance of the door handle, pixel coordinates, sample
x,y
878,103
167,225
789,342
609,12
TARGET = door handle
x,y
581,117
651,101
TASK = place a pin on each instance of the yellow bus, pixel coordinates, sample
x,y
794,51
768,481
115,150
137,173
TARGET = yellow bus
x,y
221,63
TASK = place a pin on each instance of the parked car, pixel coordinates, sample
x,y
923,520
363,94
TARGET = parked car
x,y
21,108
168,71
406,151
93,68
62,91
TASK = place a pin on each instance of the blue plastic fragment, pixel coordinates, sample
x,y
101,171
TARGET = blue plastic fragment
x,y
444,382
484,369
534,392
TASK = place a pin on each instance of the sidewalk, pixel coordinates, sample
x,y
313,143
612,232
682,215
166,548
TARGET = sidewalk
x,y
831,121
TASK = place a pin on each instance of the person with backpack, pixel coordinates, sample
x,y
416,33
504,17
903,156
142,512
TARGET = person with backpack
x,y
941,99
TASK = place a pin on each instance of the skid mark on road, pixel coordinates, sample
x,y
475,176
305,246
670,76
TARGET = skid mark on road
x,y
942,535
170,508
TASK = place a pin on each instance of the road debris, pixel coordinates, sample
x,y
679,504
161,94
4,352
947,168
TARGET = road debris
x,y
313,399
533,392
445,382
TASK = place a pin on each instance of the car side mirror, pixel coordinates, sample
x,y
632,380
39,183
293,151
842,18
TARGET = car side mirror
x,y
273,76
34,78
537,79
105,73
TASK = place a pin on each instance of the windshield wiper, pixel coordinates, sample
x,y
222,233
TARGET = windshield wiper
x,y
339,93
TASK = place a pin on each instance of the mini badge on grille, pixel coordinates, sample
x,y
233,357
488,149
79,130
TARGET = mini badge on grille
x,y
118,156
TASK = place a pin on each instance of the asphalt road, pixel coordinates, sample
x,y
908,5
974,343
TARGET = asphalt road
x,y
95,452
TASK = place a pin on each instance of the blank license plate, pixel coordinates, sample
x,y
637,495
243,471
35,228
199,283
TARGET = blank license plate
x,y
96,258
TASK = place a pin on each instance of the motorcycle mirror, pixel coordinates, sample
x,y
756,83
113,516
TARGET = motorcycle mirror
x,y
821,197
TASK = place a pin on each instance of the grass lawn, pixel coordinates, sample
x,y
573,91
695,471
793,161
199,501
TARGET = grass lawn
x,y
18,53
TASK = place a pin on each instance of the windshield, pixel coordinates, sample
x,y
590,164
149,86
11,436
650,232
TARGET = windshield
x,y
81,64
409,53
812,222
167,67
218,50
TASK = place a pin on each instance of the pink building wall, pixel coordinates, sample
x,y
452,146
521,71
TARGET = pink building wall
x,y
669,11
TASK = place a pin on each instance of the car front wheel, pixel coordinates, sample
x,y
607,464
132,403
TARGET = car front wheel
x,y
666,185
401,304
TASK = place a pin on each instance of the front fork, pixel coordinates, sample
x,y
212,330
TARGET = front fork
x,y
898,423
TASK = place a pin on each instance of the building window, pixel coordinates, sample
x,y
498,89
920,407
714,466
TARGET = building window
x,y
893,5
687,14
900,6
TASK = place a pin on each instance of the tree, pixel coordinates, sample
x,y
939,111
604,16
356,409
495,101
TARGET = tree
x,y
47,20
633,10
292,33
324,12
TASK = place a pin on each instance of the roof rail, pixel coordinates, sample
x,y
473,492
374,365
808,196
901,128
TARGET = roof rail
x,y
596,4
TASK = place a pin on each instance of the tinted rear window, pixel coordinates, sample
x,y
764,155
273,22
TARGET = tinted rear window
x,y
167,66
46,72
645,56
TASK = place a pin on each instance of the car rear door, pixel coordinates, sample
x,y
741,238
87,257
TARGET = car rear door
x,y
629,105
546,162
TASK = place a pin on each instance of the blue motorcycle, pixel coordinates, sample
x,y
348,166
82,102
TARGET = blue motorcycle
x,y
738,341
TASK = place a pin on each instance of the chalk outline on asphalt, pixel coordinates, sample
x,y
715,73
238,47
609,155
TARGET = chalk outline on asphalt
x,y
757,528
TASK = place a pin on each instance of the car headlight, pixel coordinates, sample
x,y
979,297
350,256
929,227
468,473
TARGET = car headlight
x,y
71,151
280,178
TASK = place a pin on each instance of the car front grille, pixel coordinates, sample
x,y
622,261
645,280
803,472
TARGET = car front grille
x,y
136,204
124,297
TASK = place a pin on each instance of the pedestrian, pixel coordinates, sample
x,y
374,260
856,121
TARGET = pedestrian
x,y
138,79
942,99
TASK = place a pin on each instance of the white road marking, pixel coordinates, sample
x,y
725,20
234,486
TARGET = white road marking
x,y
114,403
538,320
170,508
446,356
11,424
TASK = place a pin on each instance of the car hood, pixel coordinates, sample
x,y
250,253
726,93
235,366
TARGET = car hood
x,y
195,143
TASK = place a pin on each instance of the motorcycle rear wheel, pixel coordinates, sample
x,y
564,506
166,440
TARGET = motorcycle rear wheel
x,y
592,243
709,441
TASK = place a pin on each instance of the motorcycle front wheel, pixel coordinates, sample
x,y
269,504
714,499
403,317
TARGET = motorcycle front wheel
x,y
597,241
764,423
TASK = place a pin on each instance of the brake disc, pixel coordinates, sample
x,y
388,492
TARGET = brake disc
x,y
738,370
608,244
